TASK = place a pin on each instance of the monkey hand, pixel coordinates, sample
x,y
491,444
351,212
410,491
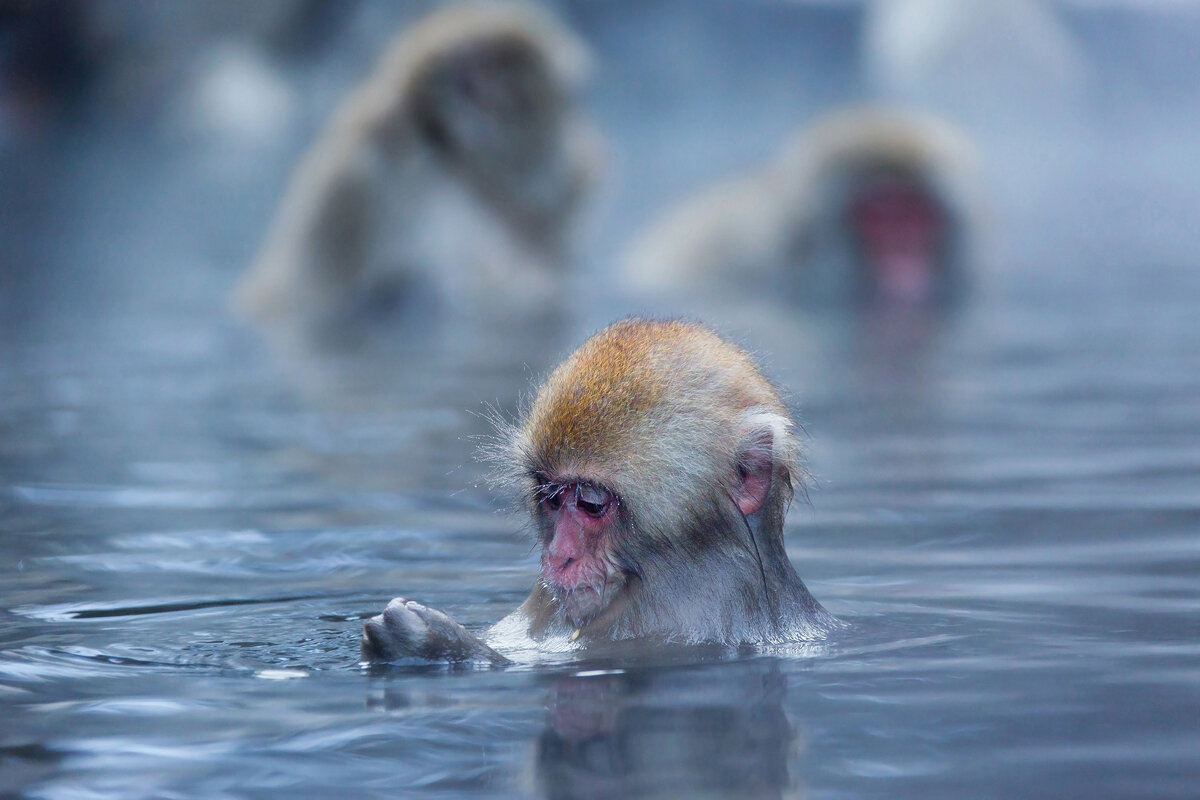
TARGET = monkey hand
x,y
406,629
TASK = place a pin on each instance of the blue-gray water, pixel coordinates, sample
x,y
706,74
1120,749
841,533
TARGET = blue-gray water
x,y
1005,507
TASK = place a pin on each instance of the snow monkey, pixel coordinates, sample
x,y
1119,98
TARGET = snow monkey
x,y
657,464
452,174
865,205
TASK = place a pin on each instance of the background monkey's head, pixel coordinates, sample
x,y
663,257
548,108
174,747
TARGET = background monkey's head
x,y
492,94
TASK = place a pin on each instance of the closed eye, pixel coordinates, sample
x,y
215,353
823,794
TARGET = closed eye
x,y
593,499
548,493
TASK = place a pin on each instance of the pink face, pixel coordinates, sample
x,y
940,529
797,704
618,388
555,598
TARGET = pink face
x,y
578,520
900,230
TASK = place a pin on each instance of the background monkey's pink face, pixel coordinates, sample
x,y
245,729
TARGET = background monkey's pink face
x,y
899,228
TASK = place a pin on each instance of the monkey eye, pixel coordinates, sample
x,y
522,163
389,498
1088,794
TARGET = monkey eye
x,y
589,498
592,499
551,495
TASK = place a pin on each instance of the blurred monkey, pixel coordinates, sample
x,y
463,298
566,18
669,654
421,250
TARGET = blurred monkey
x,y
991,62
864,205
452,174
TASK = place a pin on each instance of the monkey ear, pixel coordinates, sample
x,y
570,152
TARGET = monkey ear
x,y
755,463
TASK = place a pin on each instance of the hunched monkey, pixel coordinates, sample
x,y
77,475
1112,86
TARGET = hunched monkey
x,y
657,464
453,174
867,204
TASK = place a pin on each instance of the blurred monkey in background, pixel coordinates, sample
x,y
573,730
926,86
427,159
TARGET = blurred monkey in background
x,y
992,63
865,205
451,175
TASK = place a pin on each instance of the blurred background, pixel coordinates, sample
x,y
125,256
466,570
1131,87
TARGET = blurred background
x,y
128,128
195,516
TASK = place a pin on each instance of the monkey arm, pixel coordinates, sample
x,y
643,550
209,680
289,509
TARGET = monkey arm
x,y
342,223
407,629
317,247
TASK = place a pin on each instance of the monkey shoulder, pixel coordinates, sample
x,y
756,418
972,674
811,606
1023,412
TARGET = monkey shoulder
x,y
716,238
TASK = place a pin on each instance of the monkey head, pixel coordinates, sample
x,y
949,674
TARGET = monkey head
x,y
894,194
493,96
651,450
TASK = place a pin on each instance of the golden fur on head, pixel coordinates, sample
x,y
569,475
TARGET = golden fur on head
x,y
655,410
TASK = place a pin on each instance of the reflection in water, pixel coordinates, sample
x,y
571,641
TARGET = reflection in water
x,y
896,340
713,731
389,362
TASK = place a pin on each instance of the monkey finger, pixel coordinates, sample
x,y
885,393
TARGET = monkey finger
x,y
397,633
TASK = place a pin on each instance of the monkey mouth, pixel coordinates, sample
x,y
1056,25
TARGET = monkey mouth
x,y
583,602
905,277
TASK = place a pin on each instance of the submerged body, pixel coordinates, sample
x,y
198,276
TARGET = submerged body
x,y
865,205
657,464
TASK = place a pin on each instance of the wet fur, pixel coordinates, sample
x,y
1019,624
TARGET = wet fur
x,y
634,409
676,423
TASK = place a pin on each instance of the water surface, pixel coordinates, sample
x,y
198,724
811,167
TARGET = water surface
x,y
1005,510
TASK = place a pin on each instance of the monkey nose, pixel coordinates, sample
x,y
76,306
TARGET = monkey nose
x,y
565,553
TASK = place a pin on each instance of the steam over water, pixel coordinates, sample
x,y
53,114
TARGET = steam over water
x,y
1005,507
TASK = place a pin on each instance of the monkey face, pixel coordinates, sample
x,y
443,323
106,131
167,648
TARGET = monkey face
x,y
578,523
500,118
488,98
898,228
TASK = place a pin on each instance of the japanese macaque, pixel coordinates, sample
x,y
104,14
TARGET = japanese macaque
x,y
657,464
865,205
451,175
995,62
